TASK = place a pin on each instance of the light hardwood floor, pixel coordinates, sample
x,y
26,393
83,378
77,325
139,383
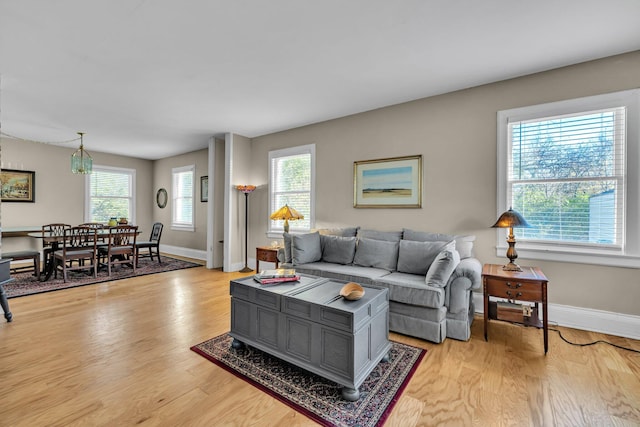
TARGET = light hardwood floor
x,y
117,354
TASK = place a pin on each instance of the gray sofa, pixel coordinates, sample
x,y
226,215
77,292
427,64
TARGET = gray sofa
x,y
430,276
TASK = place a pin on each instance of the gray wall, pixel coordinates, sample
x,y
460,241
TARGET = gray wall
x,y
456,134
59,194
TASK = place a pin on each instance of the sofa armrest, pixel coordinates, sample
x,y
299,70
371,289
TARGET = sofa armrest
x,y
466,277
470,268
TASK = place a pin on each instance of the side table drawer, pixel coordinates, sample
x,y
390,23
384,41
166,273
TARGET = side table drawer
x,y
525,291
268,256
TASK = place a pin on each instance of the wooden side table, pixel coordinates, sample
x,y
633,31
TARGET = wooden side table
x,y
528,285
267,254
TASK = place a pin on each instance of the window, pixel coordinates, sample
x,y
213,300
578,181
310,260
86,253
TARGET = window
x,y
292,182
182,196
570,168
110,194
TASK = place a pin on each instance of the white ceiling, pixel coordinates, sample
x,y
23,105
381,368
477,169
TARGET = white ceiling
x,y
155,78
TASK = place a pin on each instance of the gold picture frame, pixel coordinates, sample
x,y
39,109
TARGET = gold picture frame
x,y
394,182
18,186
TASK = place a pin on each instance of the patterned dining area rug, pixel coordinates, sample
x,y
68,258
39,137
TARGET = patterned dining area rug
x,y
26,283
316,397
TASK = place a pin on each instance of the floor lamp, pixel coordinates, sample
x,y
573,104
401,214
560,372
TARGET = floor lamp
x,y
246,189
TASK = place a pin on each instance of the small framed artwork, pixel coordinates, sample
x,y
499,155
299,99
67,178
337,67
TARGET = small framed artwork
x,y
18,185
204,188
388,183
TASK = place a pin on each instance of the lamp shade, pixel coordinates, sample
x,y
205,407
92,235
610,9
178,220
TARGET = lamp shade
x,y
81,161
286,212
245,188
510,219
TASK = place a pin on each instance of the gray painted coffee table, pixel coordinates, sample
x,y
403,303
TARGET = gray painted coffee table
x,y
308,324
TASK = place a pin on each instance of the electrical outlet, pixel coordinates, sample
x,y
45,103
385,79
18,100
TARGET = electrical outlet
x,y
526,310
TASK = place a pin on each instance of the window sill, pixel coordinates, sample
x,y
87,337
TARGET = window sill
x,y
559,255
183,227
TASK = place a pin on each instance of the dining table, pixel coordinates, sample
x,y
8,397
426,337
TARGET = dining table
x,y
54,240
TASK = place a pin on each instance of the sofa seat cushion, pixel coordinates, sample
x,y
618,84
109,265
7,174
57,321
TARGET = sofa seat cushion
x,y
411,289
349,273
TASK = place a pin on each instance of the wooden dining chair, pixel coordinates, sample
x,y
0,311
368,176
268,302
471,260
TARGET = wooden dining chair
x,y
98,227
153,244
52,235
120,247
79,244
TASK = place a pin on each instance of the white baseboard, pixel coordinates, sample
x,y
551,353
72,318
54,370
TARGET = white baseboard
x,y
186,252
606,322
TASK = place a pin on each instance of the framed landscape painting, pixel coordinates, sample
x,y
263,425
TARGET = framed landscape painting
x,y
18,185
388,183
204,188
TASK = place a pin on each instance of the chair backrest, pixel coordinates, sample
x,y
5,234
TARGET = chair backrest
x,y
95,225
79,238
156,232
123,235
53,229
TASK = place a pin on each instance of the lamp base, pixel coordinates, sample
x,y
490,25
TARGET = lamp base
x,y
246,270
511,267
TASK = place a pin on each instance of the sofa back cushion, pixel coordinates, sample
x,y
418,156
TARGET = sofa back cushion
x,y
337,249
442,267
376,253
343,232
389,236
415,257
305,248
464,244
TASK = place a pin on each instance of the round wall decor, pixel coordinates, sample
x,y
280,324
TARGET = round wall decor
x,y
161,198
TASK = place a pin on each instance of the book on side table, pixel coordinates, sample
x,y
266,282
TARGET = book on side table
x,y
266,277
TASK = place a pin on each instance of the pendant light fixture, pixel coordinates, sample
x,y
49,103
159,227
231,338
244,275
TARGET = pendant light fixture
x,y
81,161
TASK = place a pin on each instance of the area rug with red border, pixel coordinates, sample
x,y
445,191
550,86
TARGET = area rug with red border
x,y
314,396
27,284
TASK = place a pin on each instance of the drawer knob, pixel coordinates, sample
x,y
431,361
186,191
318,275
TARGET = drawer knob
x,y
518,294
516,286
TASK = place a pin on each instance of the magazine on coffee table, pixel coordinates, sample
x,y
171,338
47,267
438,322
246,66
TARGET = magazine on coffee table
x,y
276,276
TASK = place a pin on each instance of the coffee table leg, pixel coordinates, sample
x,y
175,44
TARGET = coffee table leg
x,y
350,394
5,304
236,344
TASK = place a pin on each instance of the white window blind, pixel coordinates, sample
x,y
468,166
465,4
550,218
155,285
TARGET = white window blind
x,y
182,197
571,168
110,194
566,177
291,183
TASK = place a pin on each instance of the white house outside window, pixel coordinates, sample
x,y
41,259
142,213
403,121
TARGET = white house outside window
x,y
292,182
571,169
110,194
182,197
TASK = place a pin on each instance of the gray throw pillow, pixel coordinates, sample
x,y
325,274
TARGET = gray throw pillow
x,y
442,267
337,249
305,248
287,247
390,236
464,244
416,257
376,253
